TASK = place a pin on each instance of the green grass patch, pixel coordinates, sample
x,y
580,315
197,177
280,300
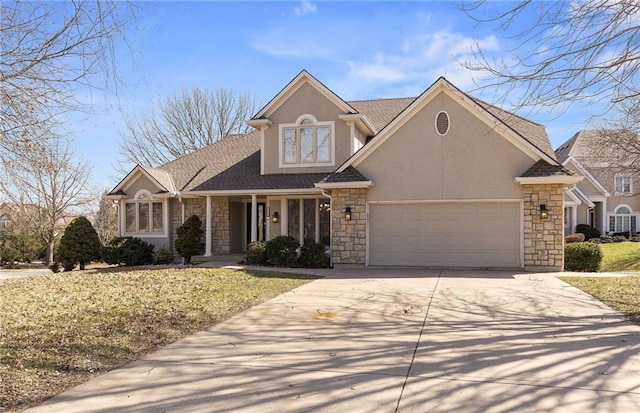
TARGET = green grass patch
x,y
619,293
60,330
621,256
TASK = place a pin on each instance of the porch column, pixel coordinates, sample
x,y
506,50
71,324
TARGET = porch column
x,y
604,223
574,218
207,245
254,218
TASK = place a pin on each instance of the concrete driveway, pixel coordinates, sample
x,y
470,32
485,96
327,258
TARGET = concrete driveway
x,y
380,340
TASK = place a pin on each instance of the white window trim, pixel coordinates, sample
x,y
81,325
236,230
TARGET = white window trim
x,y
284,229
150,199
622,193
615,214
332,151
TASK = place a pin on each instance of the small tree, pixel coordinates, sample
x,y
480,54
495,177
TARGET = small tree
x,y
189,238
79,244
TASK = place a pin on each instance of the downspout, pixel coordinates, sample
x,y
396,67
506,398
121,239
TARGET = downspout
x,y
328,195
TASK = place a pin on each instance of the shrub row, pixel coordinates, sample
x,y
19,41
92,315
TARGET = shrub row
x,y
282,251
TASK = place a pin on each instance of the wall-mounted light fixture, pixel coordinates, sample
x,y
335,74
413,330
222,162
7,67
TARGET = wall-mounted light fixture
x,y
275,218
347,214
544,214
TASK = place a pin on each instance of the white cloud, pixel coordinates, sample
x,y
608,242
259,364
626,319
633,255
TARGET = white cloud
x,y
417,62
306,7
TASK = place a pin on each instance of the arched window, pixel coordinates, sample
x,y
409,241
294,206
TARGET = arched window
x,y
143,215
306,142
623,220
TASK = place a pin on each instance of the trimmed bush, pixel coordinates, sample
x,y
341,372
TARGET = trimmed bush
x,y
79,244
578,237
313,255
54,267
162,256
588,231
583,256
255,253
128,251
281,251
189,238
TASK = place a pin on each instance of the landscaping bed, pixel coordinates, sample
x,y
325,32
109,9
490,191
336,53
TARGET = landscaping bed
x,y
60,330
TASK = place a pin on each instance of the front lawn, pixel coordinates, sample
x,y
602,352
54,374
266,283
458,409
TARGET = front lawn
x,y
620,256
619,293
60,330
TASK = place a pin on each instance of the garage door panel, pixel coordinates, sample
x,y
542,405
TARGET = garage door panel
x,y
445,234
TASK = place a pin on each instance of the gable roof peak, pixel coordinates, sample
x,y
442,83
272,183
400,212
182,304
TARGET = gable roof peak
x,y
304,77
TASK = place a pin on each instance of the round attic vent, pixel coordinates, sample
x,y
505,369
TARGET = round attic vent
x,y
442,123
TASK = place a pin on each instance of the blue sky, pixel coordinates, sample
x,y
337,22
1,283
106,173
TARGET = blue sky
x,y
360,50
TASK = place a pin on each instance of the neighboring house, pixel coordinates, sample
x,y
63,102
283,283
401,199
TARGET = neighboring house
x,y
606,199
442,180
5,216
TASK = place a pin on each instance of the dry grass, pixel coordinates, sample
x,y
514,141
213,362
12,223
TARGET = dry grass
x,y
620,256
60,330
619,293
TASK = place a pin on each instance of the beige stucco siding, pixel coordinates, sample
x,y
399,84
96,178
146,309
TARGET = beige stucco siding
x,y
471,161
306,100
141,182
585,185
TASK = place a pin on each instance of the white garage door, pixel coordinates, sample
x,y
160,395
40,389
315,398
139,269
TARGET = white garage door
x,y
445,234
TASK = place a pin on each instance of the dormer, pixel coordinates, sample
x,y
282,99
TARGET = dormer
x,y
307,128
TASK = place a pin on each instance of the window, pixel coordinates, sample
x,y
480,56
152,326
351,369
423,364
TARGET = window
x,y
306,142
623,184
309,220
5,222
623,220
144,215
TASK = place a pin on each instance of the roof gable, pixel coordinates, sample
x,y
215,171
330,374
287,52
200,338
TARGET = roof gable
x,y
301,79
527,136
584,172
160,178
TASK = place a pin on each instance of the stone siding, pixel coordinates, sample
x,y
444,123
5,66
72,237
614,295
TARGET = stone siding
x,y
543,238
192,206
348,238
220,225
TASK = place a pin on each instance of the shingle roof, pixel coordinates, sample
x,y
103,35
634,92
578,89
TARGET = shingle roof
x,y
544,169
350,174
193,170
381,111
245,175
584,145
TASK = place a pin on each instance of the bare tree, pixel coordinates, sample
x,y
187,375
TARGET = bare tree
x,y
47,51
47,183
184,123
105,220
563,52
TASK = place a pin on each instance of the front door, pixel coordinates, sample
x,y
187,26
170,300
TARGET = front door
x,y
261,220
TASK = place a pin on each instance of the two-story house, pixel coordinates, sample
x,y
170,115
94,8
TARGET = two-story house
x,y
442,179
607,199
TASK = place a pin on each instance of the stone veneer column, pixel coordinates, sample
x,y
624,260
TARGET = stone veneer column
x,y
348,238
221,225
192,206
543,238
